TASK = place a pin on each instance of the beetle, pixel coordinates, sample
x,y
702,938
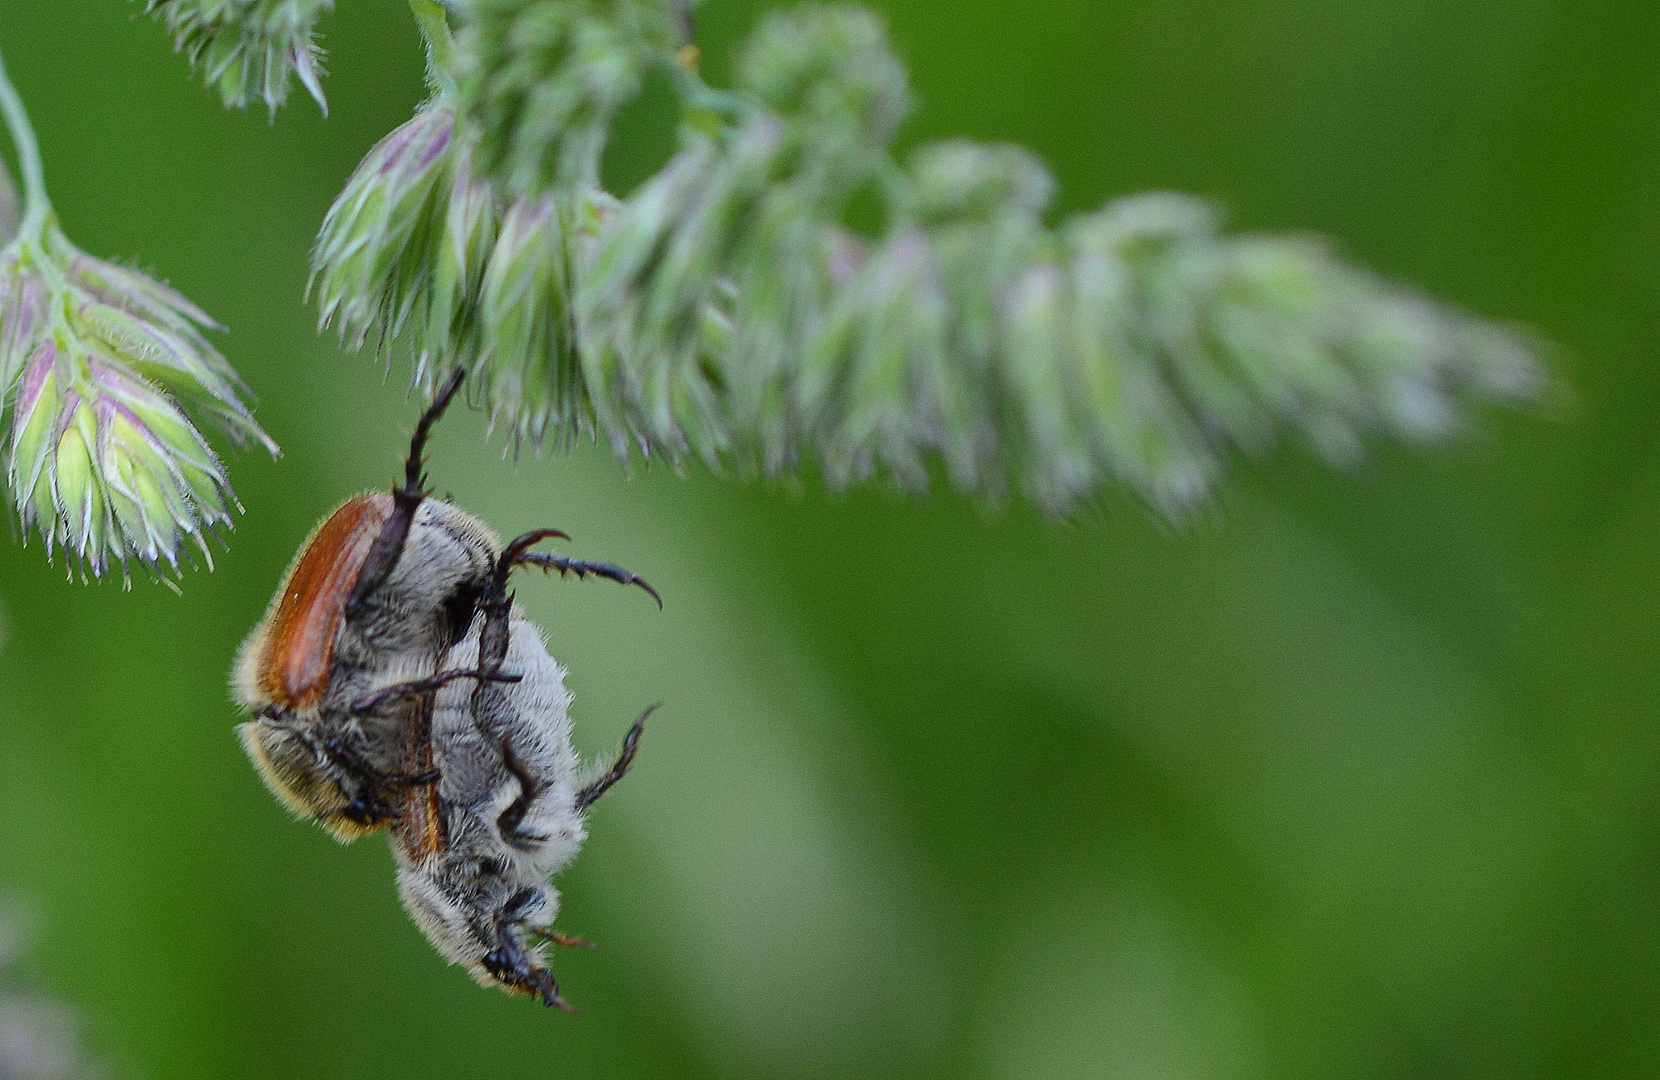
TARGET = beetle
x,y
475,849
341,668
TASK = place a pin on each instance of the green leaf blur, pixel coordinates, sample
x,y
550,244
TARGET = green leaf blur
x,y
1358,775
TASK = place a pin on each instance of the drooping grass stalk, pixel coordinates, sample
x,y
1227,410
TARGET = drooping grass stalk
x,y
724,312
37,206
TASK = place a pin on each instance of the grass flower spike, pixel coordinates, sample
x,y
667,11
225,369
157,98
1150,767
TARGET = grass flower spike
x,y
102,459
372,263
725,311
530,354
248,49
544,79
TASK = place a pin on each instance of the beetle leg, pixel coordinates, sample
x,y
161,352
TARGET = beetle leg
x,y
431,776
369,702
497,603
370,807
367,812
554,937
335,751
508,821
511,965
383,553
497,608
582,568
631,745
514,552
517,553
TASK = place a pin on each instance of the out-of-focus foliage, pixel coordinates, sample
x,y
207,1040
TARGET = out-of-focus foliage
x,y
248,49
1356,776
722,311
39,1037
546,78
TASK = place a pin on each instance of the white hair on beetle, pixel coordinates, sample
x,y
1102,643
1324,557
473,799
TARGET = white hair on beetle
x,y
508,799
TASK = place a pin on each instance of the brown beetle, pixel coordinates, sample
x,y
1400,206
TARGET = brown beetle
x,y
341,669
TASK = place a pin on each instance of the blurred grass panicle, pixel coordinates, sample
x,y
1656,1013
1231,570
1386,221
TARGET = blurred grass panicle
x,y
248,49
545,80
722,311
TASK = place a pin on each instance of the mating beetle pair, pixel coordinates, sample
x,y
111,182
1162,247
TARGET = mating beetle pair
x,y
393,683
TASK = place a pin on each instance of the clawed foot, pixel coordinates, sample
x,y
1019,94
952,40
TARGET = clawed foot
x,y
619,769
517,554
511,968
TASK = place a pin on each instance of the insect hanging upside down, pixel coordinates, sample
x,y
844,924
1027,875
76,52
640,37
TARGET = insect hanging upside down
x,y
393,682
475,849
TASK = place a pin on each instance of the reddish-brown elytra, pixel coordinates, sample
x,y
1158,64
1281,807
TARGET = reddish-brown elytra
x,y
372,602
291,656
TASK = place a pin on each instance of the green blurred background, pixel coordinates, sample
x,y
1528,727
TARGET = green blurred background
x,y
1356,776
